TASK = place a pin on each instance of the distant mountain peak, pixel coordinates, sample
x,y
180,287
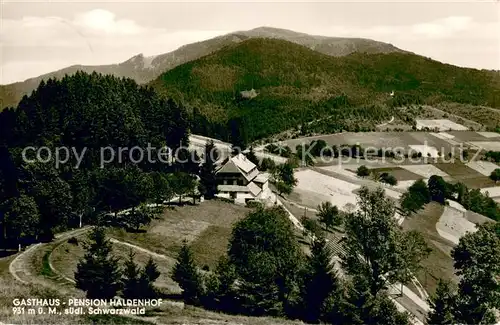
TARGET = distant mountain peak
x,y
143,68
140,61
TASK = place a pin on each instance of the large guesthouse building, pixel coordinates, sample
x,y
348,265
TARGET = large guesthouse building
x,y
239,179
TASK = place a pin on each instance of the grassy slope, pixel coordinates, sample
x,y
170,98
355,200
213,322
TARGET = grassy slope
x,y
439,265
297,83
206,226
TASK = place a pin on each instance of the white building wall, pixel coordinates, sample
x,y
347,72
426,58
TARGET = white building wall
x,y
224,195
240,197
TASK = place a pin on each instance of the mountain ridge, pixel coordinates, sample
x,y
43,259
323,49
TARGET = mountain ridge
x,y
292,84
145,69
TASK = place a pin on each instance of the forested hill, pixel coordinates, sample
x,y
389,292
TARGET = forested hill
x,y
92,110
144,69
294,83
84,113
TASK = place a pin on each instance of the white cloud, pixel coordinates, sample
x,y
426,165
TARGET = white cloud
x,y
100,20
441,28
36,45
445,27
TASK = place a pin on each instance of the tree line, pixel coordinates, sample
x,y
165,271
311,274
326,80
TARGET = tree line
x,y
266,273
438,190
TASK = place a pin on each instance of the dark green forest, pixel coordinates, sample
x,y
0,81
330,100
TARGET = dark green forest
x,y
295,85
85,112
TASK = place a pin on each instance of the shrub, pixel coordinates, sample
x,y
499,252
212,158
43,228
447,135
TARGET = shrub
x,y
363,171
254,204
73,241
388,179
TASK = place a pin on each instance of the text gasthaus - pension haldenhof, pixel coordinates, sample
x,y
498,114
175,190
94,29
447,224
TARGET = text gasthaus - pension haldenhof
x,y
34,306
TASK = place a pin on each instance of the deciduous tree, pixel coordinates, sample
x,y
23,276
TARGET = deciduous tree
x,y
376,251
495,175
140,216
477,261
329,215
438,189
221,290
284,178
22,218
388,179
266,256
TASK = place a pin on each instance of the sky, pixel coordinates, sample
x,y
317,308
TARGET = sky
x,y
38,37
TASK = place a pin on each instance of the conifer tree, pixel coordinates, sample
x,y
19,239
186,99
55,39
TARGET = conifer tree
x,y
187,276
148,276
320,281
207,174
138,282
98,273
130,278
442,305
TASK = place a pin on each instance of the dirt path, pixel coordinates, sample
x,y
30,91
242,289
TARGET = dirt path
x,y
20,266
386,123
139,248
298,205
